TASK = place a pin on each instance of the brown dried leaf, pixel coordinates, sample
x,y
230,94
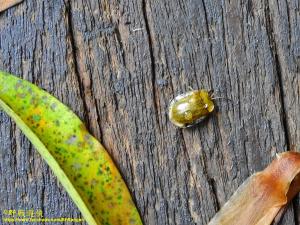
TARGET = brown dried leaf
x,y
5,4
264,195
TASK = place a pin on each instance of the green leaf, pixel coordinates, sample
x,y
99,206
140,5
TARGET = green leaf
x,y
78,160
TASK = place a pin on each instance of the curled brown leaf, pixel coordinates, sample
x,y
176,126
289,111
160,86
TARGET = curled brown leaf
x,y
5,4
264,195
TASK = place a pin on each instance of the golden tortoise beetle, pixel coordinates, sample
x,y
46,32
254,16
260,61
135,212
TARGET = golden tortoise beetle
x,y
191,108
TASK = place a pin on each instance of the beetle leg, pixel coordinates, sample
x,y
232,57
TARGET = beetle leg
x,y
211,93
190,88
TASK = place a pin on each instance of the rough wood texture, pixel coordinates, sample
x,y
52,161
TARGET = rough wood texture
x,y
118,63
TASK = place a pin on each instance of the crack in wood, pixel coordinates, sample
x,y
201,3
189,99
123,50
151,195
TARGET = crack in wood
x,y
273,48
278,68
152,59
76,66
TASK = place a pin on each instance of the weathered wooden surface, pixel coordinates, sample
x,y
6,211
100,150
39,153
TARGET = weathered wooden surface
x,y
118,63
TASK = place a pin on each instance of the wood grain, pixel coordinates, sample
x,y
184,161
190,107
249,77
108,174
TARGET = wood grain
x,y
5,4
117,64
